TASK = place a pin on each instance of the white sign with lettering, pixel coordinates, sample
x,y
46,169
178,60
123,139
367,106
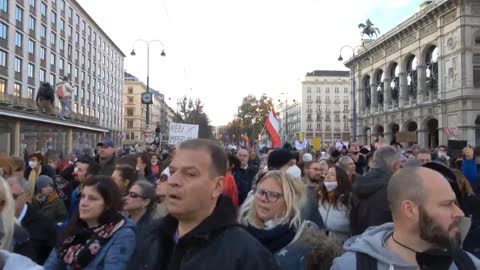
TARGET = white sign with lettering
x,y
182,132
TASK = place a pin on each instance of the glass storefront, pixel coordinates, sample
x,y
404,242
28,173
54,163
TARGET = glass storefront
x,y
36,136
7,136
83,140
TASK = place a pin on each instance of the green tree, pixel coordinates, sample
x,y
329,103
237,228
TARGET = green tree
x,y
192,112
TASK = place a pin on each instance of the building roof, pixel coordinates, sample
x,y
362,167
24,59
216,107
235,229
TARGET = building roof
x,y
75,2
328,73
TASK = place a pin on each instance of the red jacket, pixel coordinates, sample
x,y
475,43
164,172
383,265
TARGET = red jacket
x,y
230,188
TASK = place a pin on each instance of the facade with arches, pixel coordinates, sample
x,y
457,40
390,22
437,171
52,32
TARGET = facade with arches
x,y
422,76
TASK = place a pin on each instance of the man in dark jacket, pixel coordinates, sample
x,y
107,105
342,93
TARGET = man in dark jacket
x,y
200,231
369,193
244,175
42,230
45,98
106,157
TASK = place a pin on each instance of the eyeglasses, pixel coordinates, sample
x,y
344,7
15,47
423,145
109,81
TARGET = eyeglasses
x,y
134,195
15,196
270,195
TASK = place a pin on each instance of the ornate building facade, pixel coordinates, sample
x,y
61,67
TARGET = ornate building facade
x,y
422,76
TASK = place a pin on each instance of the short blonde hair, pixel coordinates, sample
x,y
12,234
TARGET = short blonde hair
x,y
293,194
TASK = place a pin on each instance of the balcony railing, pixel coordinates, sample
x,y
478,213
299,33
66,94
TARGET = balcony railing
x,y
28,105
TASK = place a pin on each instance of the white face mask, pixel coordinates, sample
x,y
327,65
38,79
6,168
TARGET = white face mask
x,y
154,162
330,185
32,164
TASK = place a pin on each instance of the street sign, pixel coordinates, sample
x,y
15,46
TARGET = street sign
x,y
148,133
182,132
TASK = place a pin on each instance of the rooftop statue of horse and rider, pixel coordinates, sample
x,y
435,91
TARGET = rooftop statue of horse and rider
x,y
369,29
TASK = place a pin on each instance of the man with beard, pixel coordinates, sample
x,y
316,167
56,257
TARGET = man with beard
x,y
314,173
360,162
425,233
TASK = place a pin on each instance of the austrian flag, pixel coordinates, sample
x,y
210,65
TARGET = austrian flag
x,y
273,128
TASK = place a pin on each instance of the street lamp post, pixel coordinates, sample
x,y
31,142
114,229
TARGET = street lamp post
x,y
354,100
148,72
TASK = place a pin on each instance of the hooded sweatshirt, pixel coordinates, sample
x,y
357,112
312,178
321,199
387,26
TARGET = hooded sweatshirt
x,y
372,242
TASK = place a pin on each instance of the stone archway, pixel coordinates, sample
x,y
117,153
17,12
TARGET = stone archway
x,y
394,129
367,135
431,130
379,132
411,126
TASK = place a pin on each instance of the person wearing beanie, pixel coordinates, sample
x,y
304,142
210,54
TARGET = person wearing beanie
x,y
48,201
37,166
279,159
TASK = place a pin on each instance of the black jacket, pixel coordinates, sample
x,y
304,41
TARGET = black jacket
x,y
369,201
22,243
243,180
46,92
106,168
42,232
216,243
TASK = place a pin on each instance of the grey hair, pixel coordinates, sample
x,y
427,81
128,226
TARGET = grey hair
x,y
342,160
406,184
385,156
148,192
21,181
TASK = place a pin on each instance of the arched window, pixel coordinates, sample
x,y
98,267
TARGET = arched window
x,y
367,89
432,69
412,75
395,83
380,86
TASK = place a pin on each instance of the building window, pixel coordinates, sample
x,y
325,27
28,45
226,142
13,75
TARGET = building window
x,y
432,69
3,58
53,37
3,30
337,90
62,5
130,99
19,14
42,53
18,39
327,90
129,111
41,75
69,13
52,59
53,17
129,123
31,70
30,91
43,31
367,89
82,110
69,31
17,90
69,69
31,47
130,90
345,90
31,23
61,63
4,5
75,108
62,25
18,64
32,3
43,9
345,108
3,86
476,70
412,76
75,73
61,44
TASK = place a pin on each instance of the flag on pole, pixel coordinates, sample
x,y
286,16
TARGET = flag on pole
x,y
246,141
449,132
273,128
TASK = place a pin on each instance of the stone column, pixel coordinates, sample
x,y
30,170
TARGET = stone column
x,y
387,94
421,83
373,97
360,103
403,96
17,140
422,139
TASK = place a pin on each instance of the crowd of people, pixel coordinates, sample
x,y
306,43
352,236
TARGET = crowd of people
x,y
203,206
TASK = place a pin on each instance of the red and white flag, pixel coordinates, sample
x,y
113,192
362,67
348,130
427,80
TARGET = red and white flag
x,y
273,128
449,132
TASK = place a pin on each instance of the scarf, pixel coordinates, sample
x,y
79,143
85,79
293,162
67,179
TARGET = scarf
x,y
78,250
273,239
32,180
46,199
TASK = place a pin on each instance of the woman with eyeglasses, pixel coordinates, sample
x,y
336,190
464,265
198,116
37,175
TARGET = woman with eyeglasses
x,y
334,204
139,203
274,218
98,237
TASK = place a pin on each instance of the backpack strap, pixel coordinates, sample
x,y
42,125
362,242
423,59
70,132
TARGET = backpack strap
x,y
366,262
462,260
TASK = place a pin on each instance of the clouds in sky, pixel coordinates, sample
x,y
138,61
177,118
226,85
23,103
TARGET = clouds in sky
x,y
222,50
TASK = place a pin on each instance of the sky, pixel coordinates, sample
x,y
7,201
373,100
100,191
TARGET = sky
x,y
222,50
